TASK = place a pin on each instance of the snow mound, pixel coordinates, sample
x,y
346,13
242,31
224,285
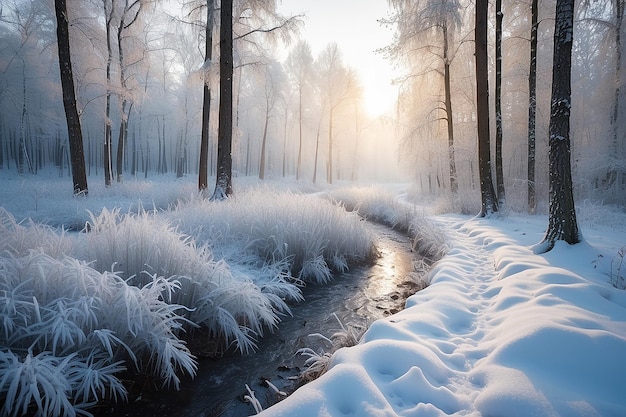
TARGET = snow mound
x,y
500,331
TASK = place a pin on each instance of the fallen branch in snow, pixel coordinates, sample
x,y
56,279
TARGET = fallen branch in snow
x,y
253,400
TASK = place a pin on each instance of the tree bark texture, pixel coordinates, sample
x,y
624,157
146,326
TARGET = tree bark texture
x,y
206,101
223,183
108,167
489,204
498,105
532,107
454,187
562,224
77,158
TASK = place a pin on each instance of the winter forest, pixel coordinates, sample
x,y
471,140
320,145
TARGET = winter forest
x,y
139,69
179,177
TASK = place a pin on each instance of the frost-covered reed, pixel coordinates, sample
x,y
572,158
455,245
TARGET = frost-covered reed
x,y
385,207
19,239
232,307
67,331
313,236
77,309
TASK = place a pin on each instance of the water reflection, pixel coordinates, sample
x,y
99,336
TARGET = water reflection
x,y
357,297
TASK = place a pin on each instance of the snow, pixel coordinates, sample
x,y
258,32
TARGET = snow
x,y
499,332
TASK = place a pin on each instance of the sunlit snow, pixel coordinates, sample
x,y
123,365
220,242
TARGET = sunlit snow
x,y
499,332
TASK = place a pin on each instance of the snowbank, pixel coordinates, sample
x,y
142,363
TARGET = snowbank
x,y
500,332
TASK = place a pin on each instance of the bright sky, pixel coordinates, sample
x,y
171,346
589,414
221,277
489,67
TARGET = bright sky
x,y
353,24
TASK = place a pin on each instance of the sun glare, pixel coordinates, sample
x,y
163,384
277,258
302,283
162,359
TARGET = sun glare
x,y
379,100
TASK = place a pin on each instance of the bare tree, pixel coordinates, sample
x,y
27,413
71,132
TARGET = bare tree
x,y
206,97
223,182
488,198
562,224
616,170
337,83
271,94
109,10
419,21
619,149
129,16
30,22
498,105
77,157
274,24
299,63
532,107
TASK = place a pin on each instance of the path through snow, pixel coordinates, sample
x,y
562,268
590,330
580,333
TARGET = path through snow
x,y
500,332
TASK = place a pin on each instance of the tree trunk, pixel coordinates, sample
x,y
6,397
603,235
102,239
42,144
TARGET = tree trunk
x,y
454,187
160,152
121,140
77,158
532,108
147,165
23,156
133,164
317,148
206,100
330,146
2,133
124,116
285,142
562,224
108,168
489,204
263,144
223,183
299,165
498,105
615,179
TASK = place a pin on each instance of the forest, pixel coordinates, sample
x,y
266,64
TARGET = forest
x,y
139,68
175,175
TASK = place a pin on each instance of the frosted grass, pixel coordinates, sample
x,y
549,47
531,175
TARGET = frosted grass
x,y
46,198
67,331
310,235
18,239
228,303
78,309
385,207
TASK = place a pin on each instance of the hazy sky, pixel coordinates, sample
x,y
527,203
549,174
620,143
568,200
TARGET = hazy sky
x,y
353,25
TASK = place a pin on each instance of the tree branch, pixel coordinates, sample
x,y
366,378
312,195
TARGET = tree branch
x,y
288,22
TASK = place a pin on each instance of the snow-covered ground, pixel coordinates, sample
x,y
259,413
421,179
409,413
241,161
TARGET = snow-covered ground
x,y
499,332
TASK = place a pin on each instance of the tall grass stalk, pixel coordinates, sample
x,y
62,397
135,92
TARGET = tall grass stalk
x,y
68,331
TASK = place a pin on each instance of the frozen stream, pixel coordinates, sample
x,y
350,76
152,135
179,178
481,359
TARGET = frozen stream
x,y
358,297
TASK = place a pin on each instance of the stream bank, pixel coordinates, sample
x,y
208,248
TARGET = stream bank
x,y
357,298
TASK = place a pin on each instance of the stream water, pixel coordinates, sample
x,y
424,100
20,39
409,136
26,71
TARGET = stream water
x,y
357,298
